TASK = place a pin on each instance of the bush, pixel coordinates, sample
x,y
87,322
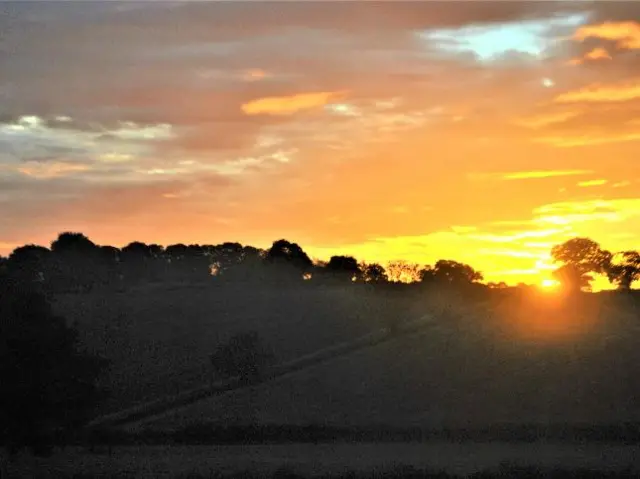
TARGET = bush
x,y
243,356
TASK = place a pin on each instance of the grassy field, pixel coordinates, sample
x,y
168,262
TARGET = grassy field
x,y
337,460
471,372
159,338
507,360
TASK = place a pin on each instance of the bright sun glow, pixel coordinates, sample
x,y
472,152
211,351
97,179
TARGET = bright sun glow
x,y
549,284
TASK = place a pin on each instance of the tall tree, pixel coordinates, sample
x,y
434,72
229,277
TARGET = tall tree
x,y
69,242
455,273
626,270
374,273
584,256
246,264
30,263
49,385
139,262
403,272
344,268
572,278
108,269
289,258
74,261
197,263
188,263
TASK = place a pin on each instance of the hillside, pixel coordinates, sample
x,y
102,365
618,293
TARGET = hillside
x,y
159,338
473,372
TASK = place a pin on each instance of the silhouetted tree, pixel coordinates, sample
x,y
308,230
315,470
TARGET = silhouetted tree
x,y
108,269
373,273
455,273
427,275
234,262
585,256
572,278
29,263
72,243
343,268
177,256
403,272
143,262
197,263
289,259
224,257
74,261
48,384
626,270
243,356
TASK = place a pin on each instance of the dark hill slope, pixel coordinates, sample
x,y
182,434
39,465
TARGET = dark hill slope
x,y
469,373
159,339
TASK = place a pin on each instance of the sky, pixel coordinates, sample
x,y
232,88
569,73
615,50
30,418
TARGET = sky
x,y
484,132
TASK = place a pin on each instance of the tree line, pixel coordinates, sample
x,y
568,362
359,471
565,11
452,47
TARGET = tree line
x,y
75,263
582,258
50,384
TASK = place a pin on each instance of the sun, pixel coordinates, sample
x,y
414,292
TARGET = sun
x,y
549,284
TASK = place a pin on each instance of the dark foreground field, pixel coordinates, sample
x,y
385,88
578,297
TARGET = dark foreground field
x,y
466,373
159,338
442,459
514,361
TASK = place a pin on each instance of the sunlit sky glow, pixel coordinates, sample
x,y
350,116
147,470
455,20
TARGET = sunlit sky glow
x,y
479,131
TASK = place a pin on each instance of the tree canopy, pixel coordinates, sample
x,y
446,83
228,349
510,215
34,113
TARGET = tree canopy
x,y
75,263
49,385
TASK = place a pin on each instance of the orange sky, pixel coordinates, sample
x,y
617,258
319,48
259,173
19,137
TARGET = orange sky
x,y
482,132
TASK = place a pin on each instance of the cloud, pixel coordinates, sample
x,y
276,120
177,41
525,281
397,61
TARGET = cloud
x,y
51,169
595,54
524,175
529,39
528,175
287,105
35,138
626,35
572,213
598,54
255,74
588,139
588,183
601,93
547,119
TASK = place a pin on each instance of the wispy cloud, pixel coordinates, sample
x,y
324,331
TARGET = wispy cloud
x,y
625,34
526,175
463,229
590,210
287,105
601,93
588,183
621,184
543,120
594,55
588,140
254,74
52,169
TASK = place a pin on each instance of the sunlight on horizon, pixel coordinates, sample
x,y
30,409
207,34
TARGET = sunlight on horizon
x,y
409,132
550,284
